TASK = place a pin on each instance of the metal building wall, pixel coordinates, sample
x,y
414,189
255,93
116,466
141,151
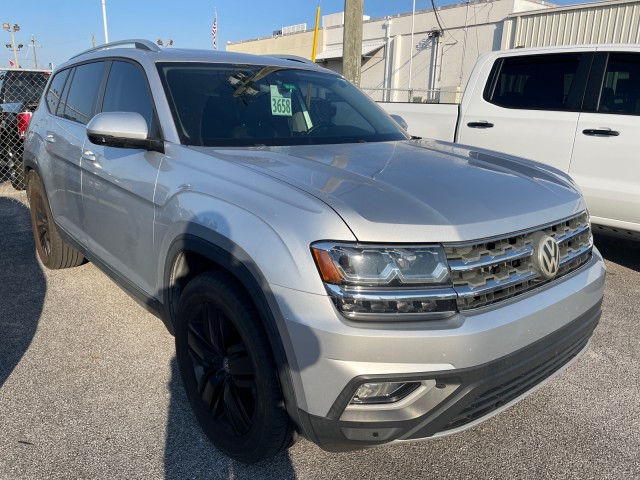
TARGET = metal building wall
x,y
603,22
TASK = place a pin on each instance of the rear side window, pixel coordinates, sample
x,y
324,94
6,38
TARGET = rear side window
x,y
55,90
83,93
621,86
534,82
127,91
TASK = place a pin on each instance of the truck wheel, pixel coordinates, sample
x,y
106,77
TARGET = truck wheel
x,y
16,172
54,253
228,370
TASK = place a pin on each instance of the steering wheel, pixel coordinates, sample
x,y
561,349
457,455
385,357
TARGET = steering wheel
x,y
319,127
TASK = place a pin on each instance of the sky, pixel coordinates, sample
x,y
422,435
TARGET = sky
x,y
65,27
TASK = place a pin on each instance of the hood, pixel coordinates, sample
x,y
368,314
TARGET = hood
x,y
419,191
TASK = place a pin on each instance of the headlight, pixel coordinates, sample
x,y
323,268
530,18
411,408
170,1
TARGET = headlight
x,y
382,283
376,266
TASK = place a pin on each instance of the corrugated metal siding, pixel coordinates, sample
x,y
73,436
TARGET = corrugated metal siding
x,y
601,23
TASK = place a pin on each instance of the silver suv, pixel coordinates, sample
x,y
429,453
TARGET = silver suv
x,y
323,273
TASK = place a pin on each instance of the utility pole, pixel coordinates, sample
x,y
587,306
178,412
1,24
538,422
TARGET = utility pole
x,y
35,55
352,40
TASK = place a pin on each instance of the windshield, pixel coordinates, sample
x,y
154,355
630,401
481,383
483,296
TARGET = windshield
x,y
252,105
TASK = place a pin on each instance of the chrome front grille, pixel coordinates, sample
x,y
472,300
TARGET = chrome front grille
x,y
496,269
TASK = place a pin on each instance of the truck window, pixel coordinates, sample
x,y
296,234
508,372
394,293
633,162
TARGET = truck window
x,y
535,82
23,86
621,86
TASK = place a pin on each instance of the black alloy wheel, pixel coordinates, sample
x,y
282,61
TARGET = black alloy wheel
x,y
41,226
228,370
53,251
223,368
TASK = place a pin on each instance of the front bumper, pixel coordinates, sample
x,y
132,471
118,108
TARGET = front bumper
x,y
469,395
470,366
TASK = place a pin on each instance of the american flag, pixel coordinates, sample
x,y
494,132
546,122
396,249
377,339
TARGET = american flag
x,y
214,31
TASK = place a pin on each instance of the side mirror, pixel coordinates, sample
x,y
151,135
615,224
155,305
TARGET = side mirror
x,y
122,130
400,121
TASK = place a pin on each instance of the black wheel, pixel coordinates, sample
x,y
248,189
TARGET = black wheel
x,y
54,253
228,370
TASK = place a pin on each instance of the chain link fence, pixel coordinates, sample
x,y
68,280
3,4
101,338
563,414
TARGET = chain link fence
x,y
20,92
413,95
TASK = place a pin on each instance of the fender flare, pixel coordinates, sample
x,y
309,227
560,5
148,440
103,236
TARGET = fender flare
x,y
228,255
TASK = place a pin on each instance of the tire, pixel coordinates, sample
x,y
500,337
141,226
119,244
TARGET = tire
x,y
17,174
228,370
54,252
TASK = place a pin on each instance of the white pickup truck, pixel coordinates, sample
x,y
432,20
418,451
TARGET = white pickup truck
x,y
576,108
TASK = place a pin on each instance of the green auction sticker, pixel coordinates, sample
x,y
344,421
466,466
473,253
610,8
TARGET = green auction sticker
x,y
280,103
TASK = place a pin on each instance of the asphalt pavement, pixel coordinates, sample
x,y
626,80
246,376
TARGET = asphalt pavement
x,y
89,389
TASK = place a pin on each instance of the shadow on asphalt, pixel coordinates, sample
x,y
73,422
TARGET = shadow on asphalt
x,y
623,251
189,454
22,285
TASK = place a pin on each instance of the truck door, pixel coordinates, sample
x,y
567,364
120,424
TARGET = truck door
x,y
605,161
528,106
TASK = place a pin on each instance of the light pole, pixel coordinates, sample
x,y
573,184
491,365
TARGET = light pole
x,y
11,30
104,20
413,27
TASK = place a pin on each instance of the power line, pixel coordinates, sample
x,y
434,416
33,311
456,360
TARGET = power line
x,y
435,12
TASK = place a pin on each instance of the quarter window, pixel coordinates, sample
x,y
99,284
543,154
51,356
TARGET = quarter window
x,y
535,82
55,90
83,93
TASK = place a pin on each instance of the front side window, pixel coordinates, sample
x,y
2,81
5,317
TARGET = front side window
x,y
251,105
535,82
127,91
83,93
621,86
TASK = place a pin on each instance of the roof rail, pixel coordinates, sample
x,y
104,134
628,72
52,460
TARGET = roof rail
x,y
293,58
140,44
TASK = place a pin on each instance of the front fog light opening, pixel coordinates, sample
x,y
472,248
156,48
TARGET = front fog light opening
x,y
380,393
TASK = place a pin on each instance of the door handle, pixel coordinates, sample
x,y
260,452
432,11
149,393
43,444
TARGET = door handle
x,y
600,132
50,138
480,124
89,155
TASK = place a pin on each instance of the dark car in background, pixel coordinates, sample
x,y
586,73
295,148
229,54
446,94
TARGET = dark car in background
x,y
20,92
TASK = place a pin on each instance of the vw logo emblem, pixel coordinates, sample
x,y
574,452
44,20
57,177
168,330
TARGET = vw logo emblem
x,y
547,256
